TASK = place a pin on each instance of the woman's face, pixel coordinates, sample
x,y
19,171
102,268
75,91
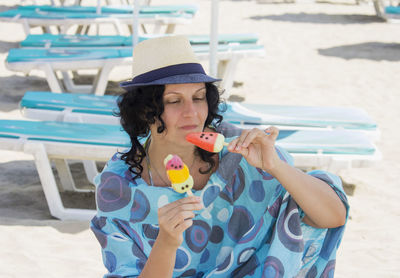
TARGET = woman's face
x,y
185,110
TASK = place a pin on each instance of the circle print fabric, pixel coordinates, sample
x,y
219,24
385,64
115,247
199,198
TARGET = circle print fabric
x,y
288,228
273,268
113,193
240,223
140,207
197,235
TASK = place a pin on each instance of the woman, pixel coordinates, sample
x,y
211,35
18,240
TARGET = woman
x,y
252,213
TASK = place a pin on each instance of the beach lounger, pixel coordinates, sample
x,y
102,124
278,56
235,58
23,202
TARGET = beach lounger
x,y
60,141
100,109
105,59
158,16
122,9
78,2
392,13
63,40
388,13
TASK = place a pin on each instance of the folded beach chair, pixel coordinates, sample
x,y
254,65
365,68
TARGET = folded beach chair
x,y
78,2
60,141
63,40
105,59
123,9
388,13
392,12
100,109
65,17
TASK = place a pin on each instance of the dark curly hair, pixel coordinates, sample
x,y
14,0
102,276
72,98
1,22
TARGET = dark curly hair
x,y
140,107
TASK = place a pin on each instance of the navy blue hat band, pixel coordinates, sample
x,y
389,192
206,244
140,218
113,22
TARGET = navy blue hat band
x,y
168,71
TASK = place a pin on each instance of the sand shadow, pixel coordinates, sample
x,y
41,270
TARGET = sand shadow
x,y
14,87
376,51
6,46
6,8
321,18
22,201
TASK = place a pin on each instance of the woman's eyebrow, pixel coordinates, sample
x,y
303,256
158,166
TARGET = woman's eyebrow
x,y
172,92
179,93
203,88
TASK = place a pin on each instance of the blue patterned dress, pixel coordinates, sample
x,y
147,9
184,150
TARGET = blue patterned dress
x,y
250,226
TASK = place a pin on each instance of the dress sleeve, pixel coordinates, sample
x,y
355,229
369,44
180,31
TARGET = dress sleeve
x,y
121,238
332,180
335,183
121,246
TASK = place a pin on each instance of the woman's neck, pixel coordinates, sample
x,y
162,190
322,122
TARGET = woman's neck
x,y
159,149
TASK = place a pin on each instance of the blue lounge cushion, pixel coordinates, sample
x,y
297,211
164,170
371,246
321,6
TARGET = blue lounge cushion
x,y
42,14
263,114
121,9
107,135
392,10
79,54
294,141
63,40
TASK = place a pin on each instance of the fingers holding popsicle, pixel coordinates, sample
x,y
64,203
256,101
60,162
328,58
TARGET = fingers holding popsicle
x,y
174,218
257,146
209,141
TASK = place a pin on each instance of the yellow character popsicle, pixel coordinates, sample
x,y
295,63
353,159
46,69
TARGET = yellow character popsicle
x,y
178,174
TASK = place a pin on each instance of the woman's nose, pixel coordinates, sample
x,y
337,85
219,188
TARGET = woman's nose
x,y
189,108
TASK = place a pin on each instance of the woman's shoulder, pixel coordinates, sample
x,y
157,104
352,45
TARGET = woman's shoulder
x,y
228,130
117,167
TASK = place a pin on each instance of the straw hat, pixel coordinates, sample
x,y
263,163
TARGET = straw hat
x,y
166,60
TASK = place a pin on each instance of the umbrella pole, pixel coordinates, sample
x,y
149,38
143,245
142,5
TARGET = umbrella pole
x,y
214,38
135,27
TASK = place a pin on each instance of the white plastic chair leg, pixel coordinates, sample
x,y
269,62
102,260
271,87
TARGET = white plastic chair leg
x,y
101,80
170,29
50,189
64,173
226,71
90,170
70,86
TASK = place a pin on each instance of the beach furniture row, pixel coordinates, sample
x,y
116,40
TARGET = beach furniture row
x,y
61,138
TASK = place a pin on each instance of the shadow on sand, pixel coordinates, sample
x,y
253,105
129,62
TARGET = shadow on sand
x,y
321,18
6,8
21,195
14,87
376,51
6,46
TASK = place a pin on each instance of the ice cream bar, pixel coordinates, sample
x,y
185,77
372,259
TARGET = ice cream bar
x,y
209,141
178,174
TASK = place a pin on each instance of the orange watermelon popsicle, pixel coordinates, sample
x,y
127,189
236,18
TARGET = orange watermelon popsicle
x,y
209,141
178,174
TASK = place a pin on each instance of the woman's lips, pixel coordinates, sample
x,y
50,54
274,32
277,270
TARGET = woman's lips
x,y
189,127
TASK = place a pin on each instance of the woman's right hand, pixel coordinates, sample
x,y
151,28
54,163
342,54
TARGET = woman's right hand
x,y
174,218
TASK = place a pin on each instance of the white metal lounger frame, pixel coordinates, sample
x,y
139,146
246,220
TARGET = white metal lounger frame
x,y
379,6
63,25
69,115
42,152
226,68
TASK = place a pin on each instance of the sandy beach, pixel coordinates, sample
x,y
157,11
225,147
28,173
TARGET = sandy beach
x,y
323,54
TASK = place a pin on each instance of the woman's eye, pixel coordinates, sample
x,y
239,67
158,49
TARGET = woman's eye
x,y
172,101
199,98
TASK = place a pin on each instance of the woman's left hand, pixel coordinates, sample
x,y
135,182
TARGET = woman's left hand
x,y
257,147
